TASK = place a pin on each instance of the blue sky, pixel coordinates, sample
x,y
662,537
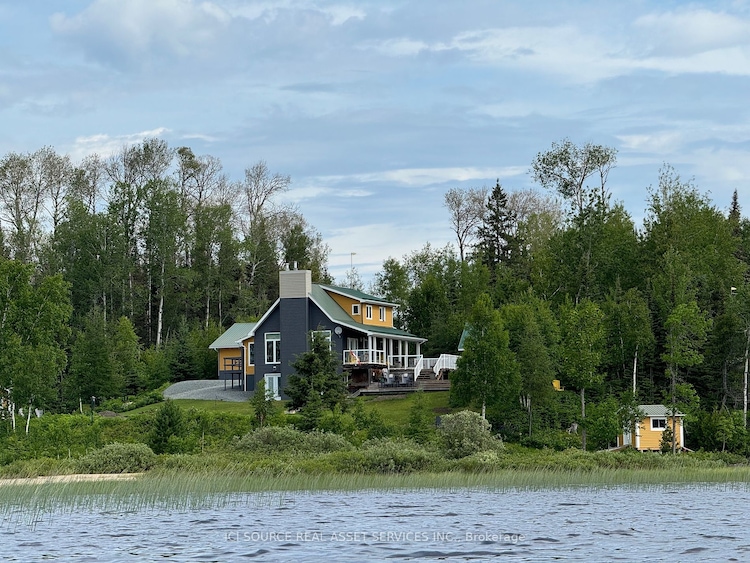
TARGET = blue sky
x,y
376,109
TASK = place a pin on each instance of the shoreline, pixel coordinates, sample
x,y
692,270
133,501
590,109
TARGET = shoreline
x,y
72,478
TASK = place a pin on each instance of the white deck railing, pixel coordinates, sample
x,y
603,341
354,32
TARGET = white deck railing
x,y
417,363
445,361
356,357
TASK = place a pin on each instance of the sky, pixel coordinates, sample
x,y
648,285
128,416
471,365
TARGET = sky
x,y
377,108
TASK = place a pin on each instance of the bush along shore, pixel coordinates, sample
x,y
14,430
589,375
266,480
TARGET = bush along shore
x,y
171,445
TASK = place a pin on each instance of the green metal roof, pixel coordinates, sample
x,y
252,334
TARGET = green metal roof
x,y
356,294
334,311
230,337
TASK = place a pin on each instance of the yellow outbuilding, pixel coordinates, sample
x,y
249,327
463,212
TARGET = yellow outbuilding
x,y
650,429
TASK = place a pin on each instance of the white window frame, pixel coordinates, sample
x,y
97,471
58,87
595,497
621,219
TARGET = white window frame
x,y
275,356
326,335
355,309
658,419
382,314
251,353
368,312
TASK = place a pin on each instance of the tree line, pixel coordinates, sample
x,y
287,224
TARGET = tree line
x,y
561,284
116,273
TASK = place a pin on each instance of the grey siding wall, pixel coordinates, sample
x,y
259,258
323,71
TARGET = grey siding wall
x,y
293,318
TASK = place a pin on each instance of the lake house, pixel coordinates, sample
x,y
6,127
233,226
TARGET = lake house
x,y
359,327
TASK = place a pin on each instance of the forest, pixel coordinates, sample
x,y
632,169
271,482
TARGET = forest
x,y
116,274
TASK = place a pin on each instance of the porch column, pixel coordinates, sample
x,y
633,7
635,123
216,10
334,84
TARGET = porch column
x,y
419,348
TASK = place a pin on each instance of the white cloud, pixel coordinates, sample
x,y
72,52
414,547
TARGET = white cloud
x,y
106,145
131,29
427,176
689,42
660,142
693,31
269,10
397,47
374,243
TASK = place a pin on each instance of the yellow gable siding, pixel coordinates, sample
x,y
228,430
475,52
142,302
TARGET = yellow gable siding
x,y
375,320
346,304
651,439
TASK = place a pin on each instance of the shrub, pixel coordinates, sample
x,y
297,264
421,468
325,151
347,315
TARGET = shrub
x,y
487,460
558,440
386,455
168,429
465,433
118,458
286,439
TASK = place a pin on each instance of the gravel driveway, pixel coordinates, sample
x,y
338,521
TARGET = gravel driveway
x,y
207,390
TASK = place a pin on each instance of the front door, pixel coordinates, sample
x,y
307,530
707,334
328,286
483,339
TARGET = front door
x,y
272,385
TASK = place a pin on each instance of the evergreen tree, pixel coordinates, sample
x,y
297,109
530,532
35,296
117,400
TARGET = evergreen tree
x,y
169,427
497,241
263,403
315,375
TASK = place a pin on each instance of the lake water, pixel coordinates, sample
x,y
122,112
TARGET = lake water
x,y
657,523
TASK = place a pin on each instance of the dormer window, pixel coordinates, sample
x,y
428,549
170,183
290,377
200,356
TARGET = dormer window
x,y
355,309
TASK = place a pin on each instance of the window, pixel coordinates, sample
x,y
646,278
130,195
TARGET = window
x,y
251,353
658,423
326,334
368,311
273,347
355,309
382,314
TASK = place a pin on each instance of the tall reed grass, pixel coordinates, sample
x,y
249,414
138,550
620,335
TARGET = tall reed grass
x,y
177,490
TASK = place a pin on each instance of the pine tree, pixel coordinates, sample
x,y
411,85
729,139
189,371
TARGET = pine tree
x,y
498,243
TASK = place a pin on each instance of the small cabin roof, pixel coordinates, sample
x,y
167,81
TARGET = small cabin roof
x,y
232,335
658,411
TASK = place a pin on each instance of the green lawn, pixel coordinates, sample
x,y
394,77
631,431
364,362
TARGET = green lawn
x,y
396,410
393,409
241,407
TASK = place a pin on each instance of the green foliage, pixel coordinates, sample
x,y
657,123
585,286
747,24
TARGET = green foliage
x,y
603,424
369,423
665,444
33,332
312,411
316,377
118,458
464,433
387,455
263,403
487,371
421,427
558,440
168,429
156,368
92,369
288,440
718,430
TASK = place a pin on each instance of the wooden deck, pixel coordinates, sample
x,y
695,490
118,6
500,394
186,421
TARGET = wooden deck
x,y
426,385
